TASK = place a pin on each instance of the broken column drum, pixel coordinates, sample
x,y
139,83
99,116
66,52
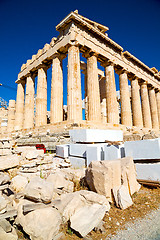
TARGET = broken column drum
x,y
79,35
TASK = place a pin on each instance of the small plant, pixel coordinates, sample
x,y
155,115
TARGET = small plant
x,y
69,231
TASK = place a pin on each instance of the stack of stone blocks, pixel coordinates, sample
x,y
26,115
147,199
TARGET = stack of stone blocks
x,y
90,145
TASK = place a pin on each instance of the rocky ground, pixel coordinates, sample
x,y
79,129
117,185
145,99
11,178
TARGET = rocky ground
x,y
43,198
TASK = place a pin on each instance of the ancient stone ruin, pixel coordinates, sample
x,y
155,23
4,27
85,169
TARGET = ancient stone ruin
x,y
79,35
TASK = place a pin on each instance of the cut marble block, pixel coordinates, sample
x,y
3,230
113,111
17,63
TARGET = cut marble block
x,y
112,152
148,171
94,153
62,151
77,162
143,149
80,150
95,135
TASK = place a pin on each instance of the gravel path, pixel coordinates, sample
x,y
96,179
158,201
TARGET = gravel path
x,y
147,228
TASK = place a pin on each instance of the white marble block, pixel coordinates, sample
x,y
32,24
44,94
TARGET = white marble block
x,y
112,152
62,151
78,150
148,171
77,162
95,135
143,149
94,153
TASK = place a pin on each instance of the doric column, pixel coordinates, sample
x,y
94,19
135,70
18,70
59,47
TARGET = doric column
x,y
56,114
11,115
146,114
41,99
93,93
136,104
74,96
19,115
126,116
158,104
153,108
29,103
111,97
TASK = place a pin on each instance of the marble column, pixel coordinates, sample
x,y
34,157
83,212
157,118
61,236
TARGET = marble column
x,y
19,115
56,114
158,104
93,92
111,96
146,114
126,116
29,103
74,96
41,99
153,108
11,115
136,104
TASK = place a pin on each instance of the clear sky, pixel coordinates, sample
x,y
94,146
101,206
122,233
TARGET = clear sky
x,y
25,26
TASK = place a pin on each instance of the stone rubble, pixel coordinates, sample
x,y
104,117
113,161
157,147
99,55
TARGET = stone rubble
x,y
39,190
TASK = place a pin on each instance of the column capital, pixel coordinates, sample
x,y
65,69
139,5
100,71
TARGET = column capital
x,y
42,65
121,71
107,63
89,53
59,55
150,87
157,90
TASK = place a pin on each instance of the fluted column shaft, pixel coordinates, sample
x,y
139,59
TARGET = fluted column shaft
x,y
56,114
41,100
11,116
74,96
111,97
126,116
153,108
146,114
136,104
158,105
29,103
19,115
93,93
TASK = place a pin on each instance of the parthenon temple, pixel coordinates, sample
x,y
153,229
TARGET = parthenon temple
x,y
80,38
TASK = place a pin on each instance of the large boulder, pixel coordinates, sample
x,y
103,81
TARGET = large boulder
x,y
41,224
69,203
128,175
39,189
3,204
59,182
103,176
9,161
86,218
19,183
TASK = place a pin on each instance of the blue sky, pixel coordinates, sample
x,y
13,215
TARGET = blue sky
x,y
25,26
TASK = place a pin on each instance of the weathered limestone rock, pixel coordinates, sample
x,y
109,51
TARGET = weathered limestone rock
x,y
41,224
4,178
39,190
7,236
59,181
103,176
128,175
19,183
34,154
3,203
9,161
69,203
122,197
5,225
86,218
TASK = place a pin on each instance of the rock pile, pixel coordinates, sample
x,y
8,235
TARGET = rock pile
x,y
37,192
